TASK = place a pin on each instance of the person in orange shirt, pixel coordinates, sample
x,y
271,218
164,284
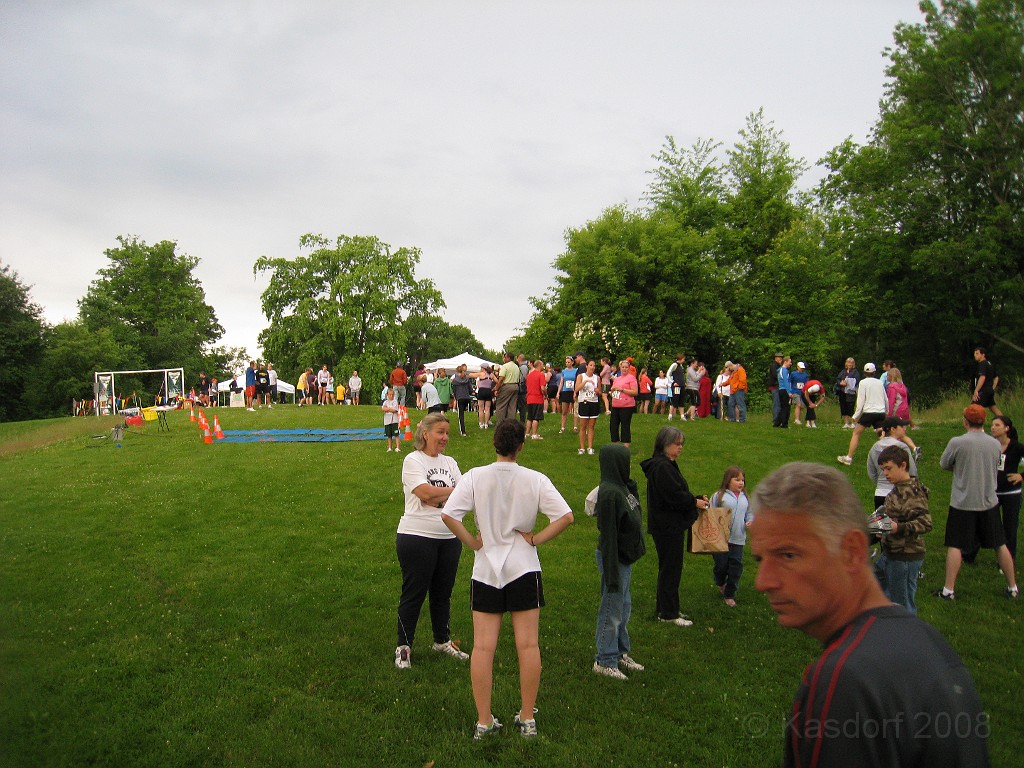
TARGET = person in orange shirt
x,y
737,392
398,379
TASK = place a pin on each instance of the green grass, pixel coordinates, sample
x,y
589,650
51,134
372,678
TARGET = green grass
x,y
169,603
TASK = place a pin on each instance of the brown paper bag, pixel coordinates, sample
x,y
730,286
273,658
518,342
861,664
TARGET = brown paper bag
x,y
711,531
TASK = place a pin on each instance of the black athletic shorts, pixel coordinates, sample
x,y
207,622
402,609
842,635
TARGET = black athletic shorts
x,y
566,396
523,594
589,410
871,420
968,530
535,411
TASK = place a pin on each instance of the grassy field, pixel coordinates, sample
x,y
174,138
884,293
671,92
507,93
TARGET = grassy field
x,y
169,603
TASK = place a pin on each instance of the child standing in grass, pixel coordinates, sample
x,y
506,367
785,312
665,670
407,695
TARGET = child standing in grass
x,y
390,408
729,565
903,546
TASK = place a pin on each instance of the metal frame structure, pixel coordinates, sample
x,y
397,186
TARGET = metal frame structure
x,y
106,395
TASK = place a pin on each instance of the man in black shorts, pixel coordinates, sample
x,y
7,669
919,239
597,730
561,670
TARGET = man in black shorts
x,y
985,382
887,689
973,521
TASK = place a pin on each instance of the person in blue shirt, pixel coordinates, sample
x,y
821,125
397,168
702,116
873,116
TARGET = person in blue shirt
x,y
797,381
783,377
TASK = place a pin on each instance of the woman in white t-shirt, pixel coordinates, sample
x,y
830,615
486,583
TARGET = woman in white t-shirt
x,y
588,390
505,500
427,551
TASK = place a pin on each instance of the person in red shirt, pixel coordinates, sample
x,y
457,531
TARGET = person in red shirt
x,y
536,384
646,391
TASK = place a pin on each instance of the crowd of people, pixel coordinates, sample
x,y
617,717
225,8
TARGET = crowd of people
x,y
810,537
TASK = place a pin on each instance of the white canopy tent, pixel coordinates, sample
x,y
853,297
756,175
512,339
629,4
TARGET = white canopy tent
x,y
472,363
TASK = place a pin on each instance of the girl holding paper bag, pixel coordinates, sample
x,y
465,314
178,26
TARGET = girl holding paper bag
x,y
729,565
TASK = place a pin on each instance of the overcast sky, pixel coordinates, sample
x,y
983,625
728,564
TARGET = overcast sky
x,y
475,131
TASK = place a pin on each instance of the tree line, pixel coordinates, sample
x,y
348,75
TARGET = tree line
x,y
910,247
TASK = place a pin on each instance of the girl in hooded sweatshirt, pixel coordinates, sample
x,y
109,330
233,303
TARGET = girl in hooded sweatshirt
x,y
620,543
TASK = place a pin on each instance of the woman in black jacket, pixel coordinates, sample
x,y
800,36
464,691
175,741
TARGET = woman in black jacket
x,y
671,510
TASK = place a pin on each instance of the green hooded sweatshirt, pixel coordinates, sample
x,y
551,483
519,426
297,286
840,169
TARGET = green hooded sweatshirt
x,y
619,521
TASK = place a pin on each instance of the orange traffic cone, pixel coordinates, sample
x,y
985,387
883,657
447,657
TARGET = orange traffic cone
x,y
207,435
403,422
217,431
191,412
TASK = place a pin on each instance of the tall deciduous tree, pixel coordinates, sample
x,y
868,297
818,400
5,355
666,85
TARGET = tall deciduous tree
x,y
21,344
931,208
344,304
150,300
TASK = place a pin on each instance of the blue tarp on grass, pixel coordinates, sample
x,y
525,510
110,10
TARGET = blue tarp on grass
x,y
300,435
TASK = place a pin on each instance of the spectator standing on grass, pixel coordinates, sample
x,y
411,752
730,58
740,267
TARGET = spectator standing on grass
x,y
398,379
846,391
262,384
567,394
443,385
484,395
887,688
645,386
462,393
620,543
671,510
588,386
203,389
869,411
427,551
906,505
313,387
737,392
323,378
390,409
721,392
677,374
506,390
524,371
780,398
355,386
773,385
605,375
300,387
797,381
1008,481
272,383
535,385
893,432
250,385
624,391
505,500
554,383
729,565
704,392
973,520
662,385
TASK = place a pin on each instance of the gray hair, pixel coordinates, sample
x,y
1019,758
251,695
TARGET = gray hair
x,y
419,442
822,492
667,436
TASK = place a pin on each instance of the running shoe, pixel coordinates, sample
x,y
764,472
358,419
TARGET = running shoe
x,y
527,728
613,672
483,731
451,649
402,657
629,663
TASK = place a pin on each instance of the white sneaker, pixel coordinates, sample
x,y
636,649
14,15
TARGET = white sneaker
x,y
581,451
450,649
626,662
679,621
251,409
814,425
402,657
797,421
270,406
590,451
844,460
613,672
